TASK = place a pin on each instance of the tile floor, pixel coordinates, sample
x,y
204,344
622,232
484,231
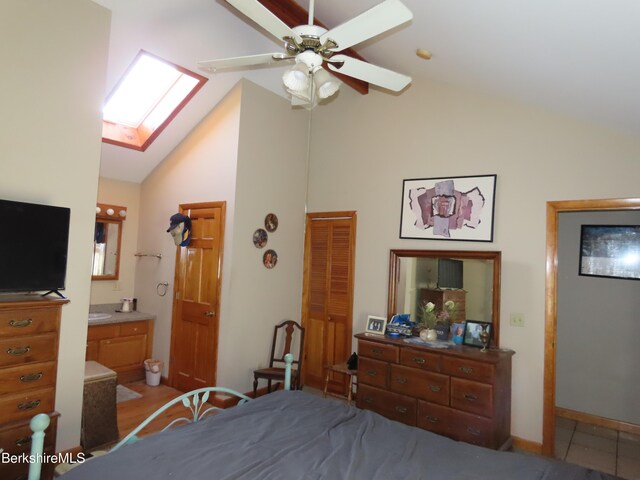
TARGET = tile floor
x,y
599,448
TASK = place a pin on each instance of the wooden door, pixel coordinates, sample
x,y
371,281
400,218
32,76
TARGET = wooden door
x,y
327,301
196,305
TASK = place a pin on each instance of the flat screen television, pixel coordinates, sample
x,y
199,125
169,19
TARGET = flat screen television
x,y
450,273
33,247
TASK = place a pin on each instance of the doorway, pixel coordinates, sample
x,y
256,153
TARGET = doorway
x,y
551,290
196,301
327,295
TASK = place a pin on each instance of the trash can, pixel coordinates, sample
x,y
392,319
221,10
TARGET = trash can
x,y
153,370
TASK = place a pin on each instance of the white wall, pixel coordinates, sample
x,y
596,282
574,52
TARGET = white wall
x,y
362,147
54,56
250,151
125,194
597,321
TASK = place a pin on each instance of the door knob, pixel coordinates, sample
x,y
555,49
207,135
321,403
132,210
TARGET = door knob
x,y
208,314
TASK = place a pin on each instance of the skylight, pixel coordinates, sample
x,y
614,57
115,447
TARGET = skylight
x,y
146,99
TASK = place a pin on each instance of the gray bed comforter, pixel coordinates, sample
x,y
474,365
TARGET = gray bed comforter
x,y
295,435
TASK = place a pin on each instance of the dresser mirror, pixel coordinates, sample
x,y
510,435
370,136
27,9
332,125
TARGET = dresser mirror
x,y
470,278
107,240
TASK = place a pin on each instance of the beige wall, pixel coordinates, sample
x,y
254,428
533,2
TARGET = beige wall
x,y
126,194
55,56
362,148
236,155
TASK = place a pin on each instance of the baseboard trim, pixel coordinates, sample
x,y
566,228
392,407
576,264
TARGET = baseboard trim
x,y
527,445
598,421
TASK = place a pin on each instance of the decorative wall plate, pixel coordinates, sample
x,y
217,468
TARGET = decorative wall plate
x,y
270,258
271,222
260,238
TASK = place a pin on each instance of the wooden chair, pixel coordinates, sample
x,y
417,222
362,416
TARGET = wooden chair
x,y
343,369
285,336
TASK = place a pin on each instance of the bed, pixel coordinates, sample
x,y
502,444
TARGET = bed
x,y
298,435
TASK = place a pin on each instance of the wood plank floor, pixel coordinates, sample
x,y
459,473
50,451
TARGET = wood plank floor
x,y
133,412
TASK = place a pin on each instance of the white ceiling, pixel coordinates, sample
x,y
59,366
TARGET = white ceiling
x,y
580,57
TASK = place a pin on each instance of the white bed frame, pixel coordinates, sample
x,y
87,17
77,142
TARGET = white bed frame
x,y
195,401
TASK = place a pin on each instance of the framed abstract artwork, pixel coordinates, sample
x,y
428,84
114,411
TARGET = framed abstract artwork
x,y
448,208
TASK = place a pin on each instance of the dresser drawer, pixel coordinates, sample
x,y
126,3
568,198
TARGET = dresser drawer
x,y
414,382
133,328
474,429
391,405
15,438
461,367
379,351
372,372
420,359
472,397
26,404
27,349
37,375
436,418
27,321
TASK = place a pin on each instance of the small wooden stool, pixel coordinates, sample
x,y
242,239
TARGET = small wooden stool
x,y
340,368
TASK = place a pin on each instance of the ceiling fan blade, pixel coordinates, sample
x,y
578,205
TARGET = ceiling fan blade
x,y
239,62
369,73
373,22
263,17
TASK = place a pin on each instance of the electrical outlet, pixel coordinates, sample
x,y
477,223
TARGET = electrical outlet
x,y
517,320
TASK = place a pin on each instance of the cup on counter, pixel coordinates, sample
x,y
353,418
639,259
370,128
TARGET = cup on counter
x,y
126,304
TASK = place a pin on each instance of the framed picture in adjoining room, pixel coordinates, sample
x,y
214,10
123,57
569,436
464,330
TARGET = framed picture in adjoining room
x,y
376,325
448,208
611,251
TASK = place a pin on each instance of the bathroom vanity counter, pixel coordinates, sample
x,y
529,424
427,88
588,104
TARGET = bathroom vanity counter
x,y
121,342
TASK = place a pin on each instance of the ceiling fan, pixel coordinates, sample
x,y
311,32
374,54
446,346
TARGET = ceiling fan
x,y
312,46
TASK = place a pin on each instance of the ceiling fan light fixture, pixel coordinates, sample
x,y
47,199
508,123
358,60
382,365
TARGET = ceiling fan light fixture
x,y
326,85
296,78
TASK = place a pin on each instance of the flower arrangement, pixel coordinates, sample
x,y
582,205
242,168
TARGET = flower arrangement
x,y
430,317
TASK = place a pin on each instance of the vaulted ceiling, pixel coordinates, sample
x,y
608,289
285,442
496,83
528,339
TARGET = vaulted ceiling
x,y
579,57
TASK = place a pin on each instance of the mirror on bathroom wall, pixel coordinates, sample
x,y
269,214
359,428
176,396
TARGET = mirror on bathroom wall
x,y
107,241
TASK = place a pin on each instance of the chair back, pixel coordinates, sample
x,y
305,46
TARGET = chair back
x,y
288,337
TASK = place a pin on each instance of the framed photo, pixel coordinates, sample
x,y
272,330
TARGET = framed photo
x,y
376,325
448,208
472,331
260,238
269,259
611,251
271,222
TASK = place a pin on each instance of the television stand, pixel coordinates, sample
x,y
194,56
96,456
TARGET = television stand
x,y
55,292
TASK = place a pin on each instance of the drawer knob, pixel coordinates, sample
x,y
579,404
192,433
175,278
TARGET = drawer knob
x,y
470,397
20,323
467,370
401,380
474,431
419,361
31,377
372,373
432,419
434,388
18,351
377,352
29,405
21,442
368,400
401,409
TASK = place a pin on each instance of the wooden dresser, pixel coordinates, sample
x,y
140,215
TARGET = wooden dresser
x,y
459,392
29,331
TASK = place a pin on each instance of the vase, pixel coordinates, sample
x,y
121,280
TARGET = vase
x,y
428,335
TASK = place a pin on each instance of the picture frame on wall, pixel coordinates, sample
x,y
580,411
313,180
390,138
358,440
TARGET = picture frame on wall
x,y
448,208
610,251
376,325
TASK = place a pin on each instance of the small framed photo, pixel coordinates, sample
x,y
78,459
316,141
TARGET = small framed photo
x,y
472,331
376,325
